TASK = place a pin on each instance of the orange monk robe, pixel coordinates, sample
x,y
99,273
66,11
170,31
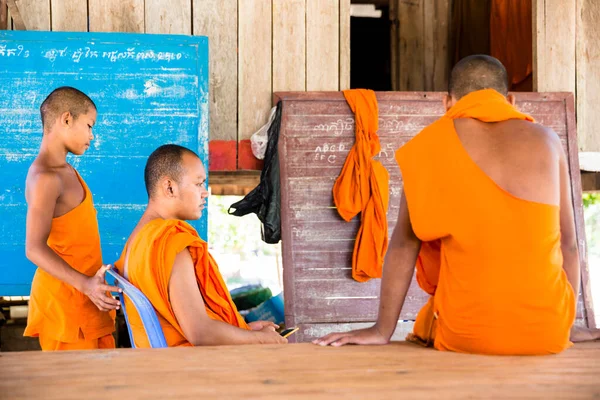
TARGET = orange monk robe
x,y
511,40
492,262
63,317
151,258
363,187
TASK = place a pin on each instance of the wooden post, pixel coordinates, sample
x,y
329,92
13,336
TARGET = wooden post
x,y
344,44
588,75
289,45
411,40
554,30
18,23
35,14
421,60
395,46
255,83
3,15
322,45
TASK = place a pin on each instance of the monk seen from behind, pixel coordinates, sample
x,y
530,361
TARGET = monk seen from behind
x,y
486,216
167,260
69,308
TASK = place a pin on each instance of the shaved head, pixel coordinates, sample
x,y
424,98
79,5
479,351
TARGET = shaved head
x,y
475,73
166,161
64,99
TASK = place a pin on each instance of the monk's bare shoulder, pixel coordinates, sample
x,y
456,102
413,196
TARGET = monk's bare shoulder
x,y
540,132
538,138
42,183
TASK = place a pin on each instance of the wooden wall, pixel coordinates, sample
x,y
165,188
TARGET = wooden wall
x,y
566,53
566,56
256,47
420,35
262,46
588,75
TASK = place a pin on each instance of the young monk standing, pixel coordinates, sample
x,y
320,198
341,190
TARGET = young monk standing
x,y
486,216
69,308
167,260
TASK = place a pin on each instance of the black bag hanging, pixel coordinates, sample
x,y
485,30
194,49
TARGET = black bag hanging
x,y
265,199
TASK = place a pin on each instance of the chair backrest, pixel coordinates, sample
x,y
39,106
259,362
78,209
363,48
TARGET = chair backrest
x,y
156,337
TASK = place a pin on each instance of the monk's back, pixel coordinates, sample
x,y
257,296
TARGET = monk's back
x,y
519,156
502,285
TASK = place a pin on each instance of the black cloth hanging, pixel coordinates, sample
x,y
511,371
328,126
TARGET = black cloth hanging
x,y
265,199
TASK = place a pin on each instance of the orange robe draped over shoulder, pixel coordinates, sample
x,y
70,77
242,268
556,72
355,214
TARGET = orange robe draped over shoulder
x,y
151,258
491,262
57,311
363,187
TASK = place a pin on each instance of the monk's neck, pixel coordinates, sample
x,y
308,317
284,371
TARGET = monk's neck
x,y
53,151
156,210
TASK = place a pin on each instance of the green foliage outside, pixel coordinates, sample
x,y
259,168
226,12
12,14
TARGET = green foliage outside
x,y
236,245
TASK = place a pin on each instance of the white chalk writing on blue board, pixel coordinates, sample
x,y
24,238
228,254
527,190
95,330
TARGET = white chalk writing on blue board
x,y
149,90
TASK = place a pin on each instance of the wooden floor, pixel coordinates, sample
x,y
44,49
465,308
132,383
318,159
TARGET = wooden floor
x,y
301,371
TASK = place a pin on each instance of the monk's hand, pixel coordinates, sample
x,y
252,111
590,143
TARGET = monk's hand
x,y
258,325
96,289
268,335
360,336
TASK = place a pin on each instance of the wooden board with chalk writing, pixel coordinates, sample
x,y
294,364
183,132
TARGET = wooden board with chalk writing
x,y
149,90
317,131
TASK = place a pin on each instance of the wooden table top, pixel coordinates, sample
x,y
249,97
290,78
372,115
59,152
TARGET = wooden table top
x,y
298,371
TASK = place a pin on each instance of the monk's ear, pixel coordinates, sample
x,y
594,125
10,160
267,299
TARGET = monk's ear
x,y
448,101
511,99
168,188
66,119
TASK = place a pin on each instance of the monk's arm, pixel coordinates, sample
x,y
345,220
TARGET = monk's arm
x,y
198,328
398,271
42,194
567,226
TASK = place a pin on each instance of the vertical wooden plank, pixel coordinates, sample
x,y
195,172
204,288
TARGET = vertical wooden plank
x,y
344,44
394,44
116,15
15,18
254,65
3,15
411,55
538,41
35,14
9,21
289,45
588,75
172,16
70,15
218,19
573,159
554,24
436,35
322,44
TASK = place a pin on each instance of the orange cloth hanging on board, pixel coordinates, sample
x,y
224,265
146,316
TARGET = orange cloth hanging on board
x,y
151,258
58,313
363,187
511,40
491,261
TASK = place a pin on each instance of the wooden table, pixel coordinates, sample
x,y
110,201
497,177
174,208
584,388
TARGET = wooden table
x,y
300,371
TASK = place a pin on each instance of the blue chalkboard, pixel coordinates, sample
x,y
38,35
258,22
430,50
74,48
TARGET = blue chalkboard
x,y
149,90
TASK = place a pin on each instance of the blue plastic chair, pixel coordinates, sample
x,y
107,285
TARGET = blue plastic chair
x,y
156,337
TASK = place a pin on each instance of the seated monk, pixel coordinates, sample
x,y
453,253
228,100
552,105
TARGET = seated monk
x,y
166,259
486,216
